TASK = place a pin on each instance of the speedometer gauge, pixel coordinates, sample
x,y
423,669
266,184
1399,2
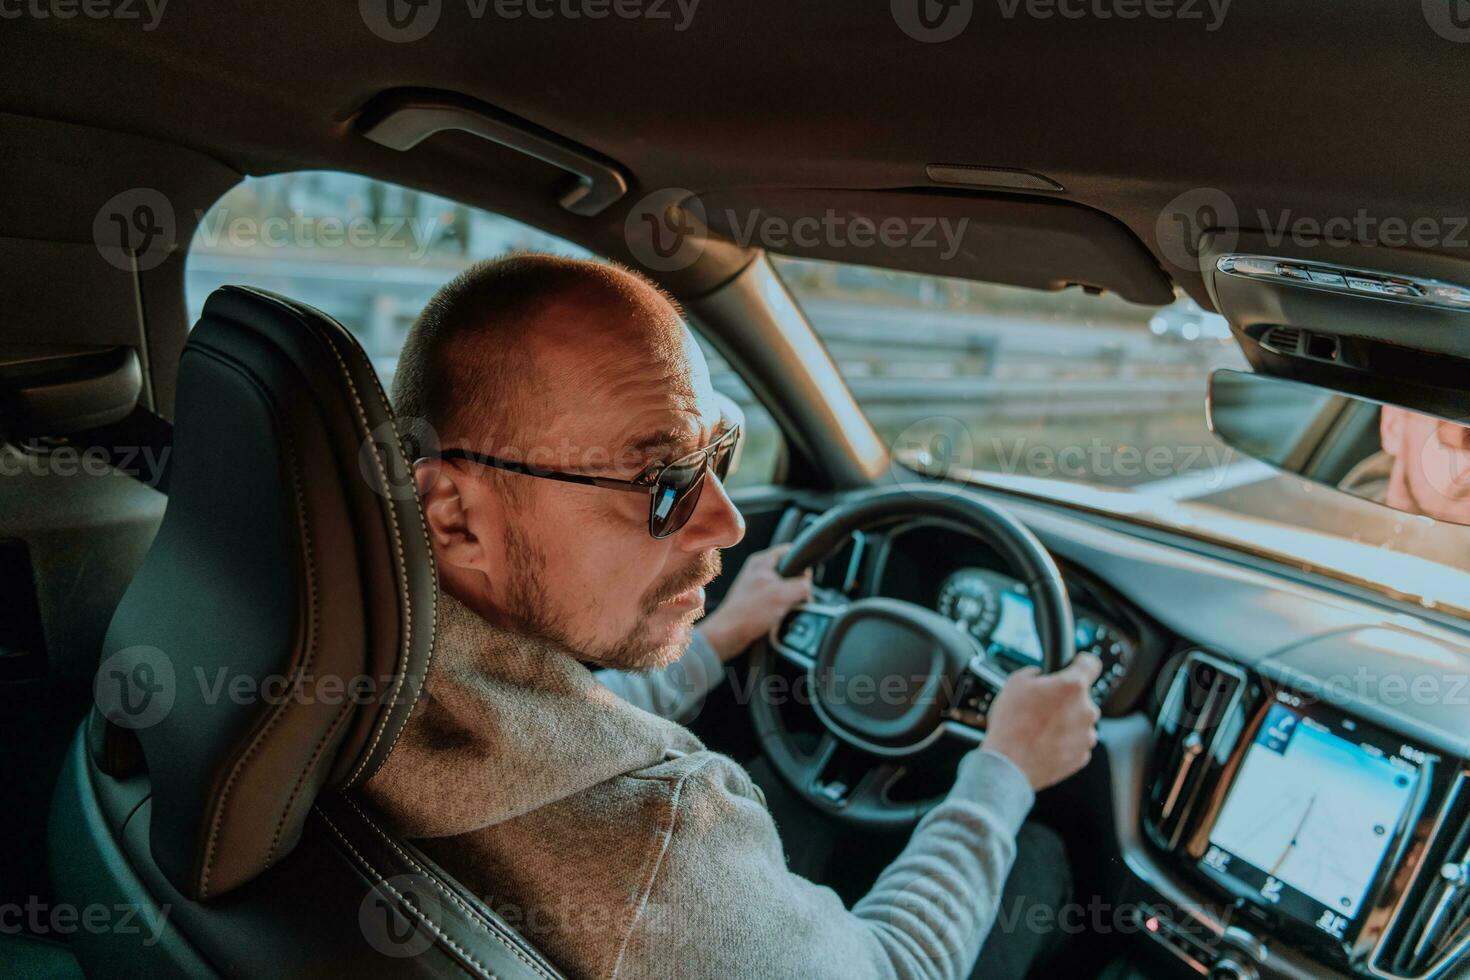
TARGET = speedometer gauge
x,y
968,598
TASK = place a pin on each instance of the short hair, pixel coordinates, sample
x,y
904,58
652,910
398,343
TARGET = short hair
x,y
466,363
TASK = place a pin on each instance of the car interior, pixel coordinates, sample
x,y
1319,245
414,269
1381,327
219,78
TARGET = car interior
x,y
1100,225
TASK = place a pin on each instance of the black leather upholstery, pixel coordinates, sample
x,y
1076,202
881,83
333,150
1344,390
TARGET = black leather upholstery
x,y
293,563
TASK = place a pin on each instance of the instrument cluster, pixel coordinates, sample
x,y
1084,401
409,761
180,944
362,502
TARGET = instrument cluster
x,y
997,613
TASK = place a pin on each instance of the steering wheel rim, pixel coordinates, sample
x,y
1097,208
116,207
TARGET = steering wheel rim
x,y
919,636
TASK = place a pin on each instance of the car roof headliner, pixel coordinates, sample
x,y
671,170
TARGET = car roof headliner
x,y
1310,108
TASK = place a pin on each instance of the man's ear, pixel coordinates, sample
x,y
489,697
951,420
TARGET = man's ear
x,y
459,517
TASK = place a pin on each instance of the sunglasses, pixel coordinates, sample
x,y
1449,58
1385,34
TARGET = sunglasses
x,y
673,488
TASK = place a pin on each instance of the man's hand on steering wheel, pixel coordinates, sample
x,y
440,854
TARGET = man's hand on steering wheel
x,y
1047,723
758,599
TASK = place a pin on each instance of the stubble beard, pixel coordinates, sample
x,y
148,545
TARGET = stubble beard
x,y
639,649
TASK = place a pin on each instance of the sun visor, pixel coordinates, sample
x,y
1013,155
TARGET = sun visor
x,y
1042,244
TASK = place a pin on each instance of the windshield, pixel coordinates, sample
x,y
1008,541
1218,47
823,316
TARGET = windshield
x,y
1097,402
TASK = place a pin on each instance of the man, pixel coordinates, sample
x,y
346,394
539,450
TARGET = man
x,y
1423,468
609,836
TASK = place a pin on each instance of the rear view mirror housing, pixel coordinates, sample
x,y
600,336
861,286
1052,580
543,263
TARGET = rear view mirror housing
x,y
1390,325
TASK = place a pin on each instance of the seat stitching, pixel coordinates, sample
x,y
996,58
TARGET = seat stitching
x,y
219,810
311,645
434,576
419,913
321,745
406,604
449,894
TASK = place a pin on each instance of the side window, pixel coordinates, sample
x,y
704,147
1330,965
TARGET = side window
x,y
762,454
371,254
367,253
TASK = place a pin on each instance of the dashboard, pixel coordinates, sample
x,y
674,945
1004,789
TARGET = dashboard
x,y
1278,803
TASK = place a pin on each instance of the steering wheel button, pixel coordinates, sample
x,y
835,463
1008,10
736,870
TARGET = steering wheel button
x,y
834,792
803,632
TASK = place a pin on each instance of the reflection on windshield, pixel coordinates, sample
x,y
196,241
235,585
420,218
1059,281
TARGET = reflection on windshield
x,y
1422,468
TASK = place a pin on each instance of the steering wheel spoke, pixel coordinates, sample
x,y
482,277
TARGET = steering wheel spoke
x,y
843,779
814,764
872,788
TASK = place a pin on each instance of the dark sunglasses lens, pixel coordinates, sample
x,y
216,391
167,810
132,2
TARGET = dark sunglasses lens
x,y
725,458
675,497
726,454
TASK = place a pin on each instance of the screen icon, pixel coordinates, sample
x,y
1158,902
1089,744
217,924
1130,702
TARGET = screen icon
x,y
1332,924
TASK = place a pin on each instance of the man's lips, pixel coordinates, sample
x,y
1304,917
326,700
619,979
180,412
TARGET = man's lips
x,y
691,598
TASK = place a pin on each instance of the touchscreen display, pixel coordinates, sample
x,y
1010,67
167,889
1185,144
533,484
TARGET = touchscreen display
x,y
1311,814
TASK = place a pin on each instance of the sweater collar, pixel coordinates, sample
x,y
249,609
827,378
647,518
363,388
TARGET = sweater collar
x,y
507,724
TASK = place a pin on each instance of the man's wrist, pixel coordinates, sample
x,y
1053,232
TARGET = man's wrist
x,y
996,779
995,747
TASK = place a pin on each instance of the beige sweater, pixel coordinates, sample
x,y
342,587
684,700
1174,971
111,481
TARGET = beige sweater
x,y
621,847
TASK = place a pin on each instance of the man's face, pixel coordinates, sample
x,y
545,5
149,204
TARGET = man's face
x,y
613,394
1431,471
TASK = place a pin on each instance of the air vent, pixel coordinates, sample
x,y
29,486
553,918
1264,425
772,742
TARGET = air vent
x,y
1432,928
1200,722
1283,340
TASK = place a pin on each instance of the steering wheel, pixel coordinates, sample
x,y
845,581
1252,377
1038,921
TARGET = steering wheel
x,y
889,680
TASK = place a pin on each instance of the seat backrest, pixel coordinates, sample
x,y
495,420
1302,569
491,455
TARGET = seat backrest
x,y
260,666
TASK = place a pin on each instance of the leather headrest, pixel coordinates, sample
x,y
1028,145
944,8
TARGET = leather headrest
x,y
276,637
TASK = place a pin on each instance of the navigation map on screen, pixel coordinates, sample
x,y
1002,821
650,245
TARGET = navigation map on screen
x,y
1310,817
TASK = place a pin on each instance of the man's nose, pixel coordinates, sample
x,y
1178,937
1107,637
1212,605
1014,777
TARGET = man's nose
x,y
715,523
